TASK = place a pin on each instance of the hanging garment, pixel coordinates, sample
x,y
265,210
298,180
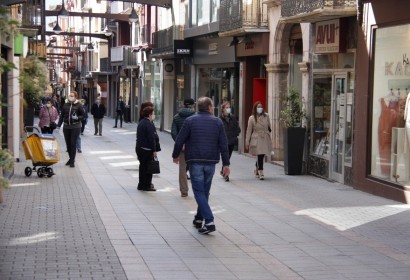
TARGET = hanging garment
x,y
388,119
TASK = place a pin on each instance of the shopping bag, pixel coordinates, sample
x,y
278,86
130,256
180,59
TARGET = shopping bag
x,y
153,166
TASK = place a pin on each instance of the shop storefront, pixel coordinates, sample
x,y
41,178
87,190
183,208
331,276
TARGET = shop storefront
x,y
382,155
216,72
333,90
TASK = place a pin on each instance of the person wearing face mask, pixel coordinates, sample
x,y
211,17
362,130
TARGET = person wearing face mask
x,y
258,139
145,148
232,129
120,109
48,116
98,112
72,114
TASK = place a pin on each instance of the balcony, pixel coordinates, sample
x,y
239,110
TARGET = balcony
x,y
240,17
316,10
163,40
123,56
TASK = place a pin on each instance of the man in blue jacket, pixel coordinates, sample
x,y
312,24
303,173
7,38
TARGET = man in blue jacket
x,y
205,141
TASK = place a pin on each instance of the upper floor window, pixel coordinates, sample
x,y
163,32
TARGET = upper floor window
x,y
204,12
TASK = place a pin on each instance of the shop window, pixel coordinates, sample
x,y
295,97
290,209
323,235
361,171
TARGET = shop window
x,y
390,128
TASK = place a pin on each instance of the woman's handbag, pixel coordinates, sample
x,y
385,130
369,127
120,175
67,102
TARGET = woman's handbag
x,y
153,166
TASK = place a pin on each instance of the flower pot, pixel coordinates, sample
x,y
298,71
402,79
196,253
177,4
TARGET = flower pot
x,y
293,144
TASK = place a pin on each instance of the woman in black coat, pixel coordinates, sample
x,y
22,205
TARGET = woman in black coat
x,y
232,129
146,148
72,114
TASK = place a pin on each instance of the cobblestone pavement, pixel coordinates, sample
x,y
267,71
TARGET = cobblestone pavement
x,y
90,222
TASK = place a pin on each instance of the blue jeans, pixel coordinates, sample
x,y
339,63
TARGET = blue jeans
x,y
201,180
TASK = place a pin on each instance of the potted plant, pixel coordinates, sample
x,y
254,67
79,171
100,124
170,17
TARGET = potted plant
x,y
292,117
34,81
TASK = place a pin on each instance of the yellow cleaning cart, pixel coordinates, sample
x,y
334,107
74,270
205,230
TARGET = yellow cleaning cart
x,y
42,149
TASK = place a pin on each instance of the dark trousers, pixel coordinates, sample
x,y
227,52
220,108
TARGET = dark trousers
x,y
259,162
83,123
70,136
119,114
145,179
230,150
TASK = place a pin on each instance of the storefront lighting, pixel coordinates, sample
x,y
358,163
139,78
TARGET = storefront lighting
x,y
107,31
57,29
63,12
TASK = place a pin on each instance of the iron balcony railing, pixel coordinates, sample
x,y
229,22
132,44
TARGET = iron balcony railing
x,y
163,40
290,8
242,16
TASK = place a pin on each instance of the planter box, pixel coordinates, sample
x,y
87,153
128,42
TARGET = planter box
x,y
293,144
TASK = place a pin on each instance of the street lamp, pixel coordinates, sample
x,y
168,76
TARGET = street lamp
x,y
57,29
107,31
133,18
63,12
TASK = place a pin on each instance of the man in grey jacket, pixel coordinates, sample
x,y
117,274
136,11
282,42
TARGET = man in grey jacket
x,y
205,142
185,112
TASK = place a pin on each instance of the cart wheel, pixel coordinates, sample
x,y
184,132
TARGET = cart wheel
x,y
28,171
40,172
50,172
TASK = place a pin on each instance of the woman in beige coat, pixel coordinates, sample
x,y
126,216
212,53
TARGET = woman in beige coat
x,y
258,139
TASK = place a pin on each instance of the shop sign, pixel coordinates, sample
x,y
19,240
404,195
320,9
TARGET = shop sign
x,y
328,36
213,49
182,48
398,68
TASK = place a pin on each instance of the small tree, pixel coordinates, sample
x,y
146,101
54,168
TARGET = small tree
x,y
34,79
293,114
7,28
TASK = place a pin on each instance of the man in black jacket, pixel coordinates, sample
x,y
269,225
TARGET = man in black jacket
x,y
120,109
98,112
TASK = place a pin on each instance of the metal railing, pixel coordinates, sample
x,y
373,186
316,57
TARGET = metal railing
x,y
163,40
295,7
242,14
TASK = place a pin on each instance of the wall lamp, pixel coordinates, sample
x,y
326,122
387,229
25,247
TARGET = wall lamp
x,y
107,31
233,42
245,40
90,46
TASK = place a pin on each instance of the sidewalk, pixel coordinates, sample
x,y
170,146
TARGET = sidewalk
x,y
91,222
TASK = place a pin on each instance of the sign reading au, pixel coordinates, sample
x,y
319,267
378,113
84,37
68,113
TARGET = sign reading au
x,y
328,36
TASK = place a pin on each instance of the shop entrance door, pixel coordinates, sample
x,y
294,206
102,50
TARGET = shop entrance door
x,y
338,138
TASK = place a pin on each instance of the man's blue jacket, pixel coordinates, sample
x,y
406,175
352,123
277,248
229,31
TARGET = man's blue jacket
x,y
204,137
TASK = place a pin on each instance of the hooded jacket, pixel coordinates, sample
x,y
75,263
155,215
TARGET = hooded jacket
x,y
179,119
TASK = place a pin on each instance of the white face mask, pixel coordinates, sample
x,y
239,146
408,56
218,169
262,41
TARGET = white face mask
x,y
71,98
259,110
98,101
48,105
228,111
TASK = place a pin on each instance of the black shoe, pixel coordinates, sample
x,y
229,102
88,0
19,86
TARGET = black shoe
x,y
72,164
197,223
100,134
205,229
226,178
114,127
151,189
68,162
187,177
79,150
95,133
222,173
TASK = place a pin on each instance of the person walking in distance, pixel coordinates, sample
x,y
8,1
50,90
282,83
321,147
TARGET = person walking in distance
x,y
177,122
98,112
258,139
145,148
120,109
205,142
232,129
72,114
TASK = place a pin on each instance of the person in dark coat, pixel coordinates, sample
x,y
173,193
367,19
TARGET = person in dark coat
x,y
177,122
145,148
98,112
232,129
120,109
205,142
72,114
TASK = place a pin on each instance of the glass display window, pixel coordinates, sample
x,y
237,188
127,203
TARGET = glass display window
x,y
321,114
390,128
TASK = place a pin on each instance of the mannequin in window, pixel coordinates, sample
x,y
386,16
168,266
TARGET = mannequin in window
x,y
388,119
407,118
